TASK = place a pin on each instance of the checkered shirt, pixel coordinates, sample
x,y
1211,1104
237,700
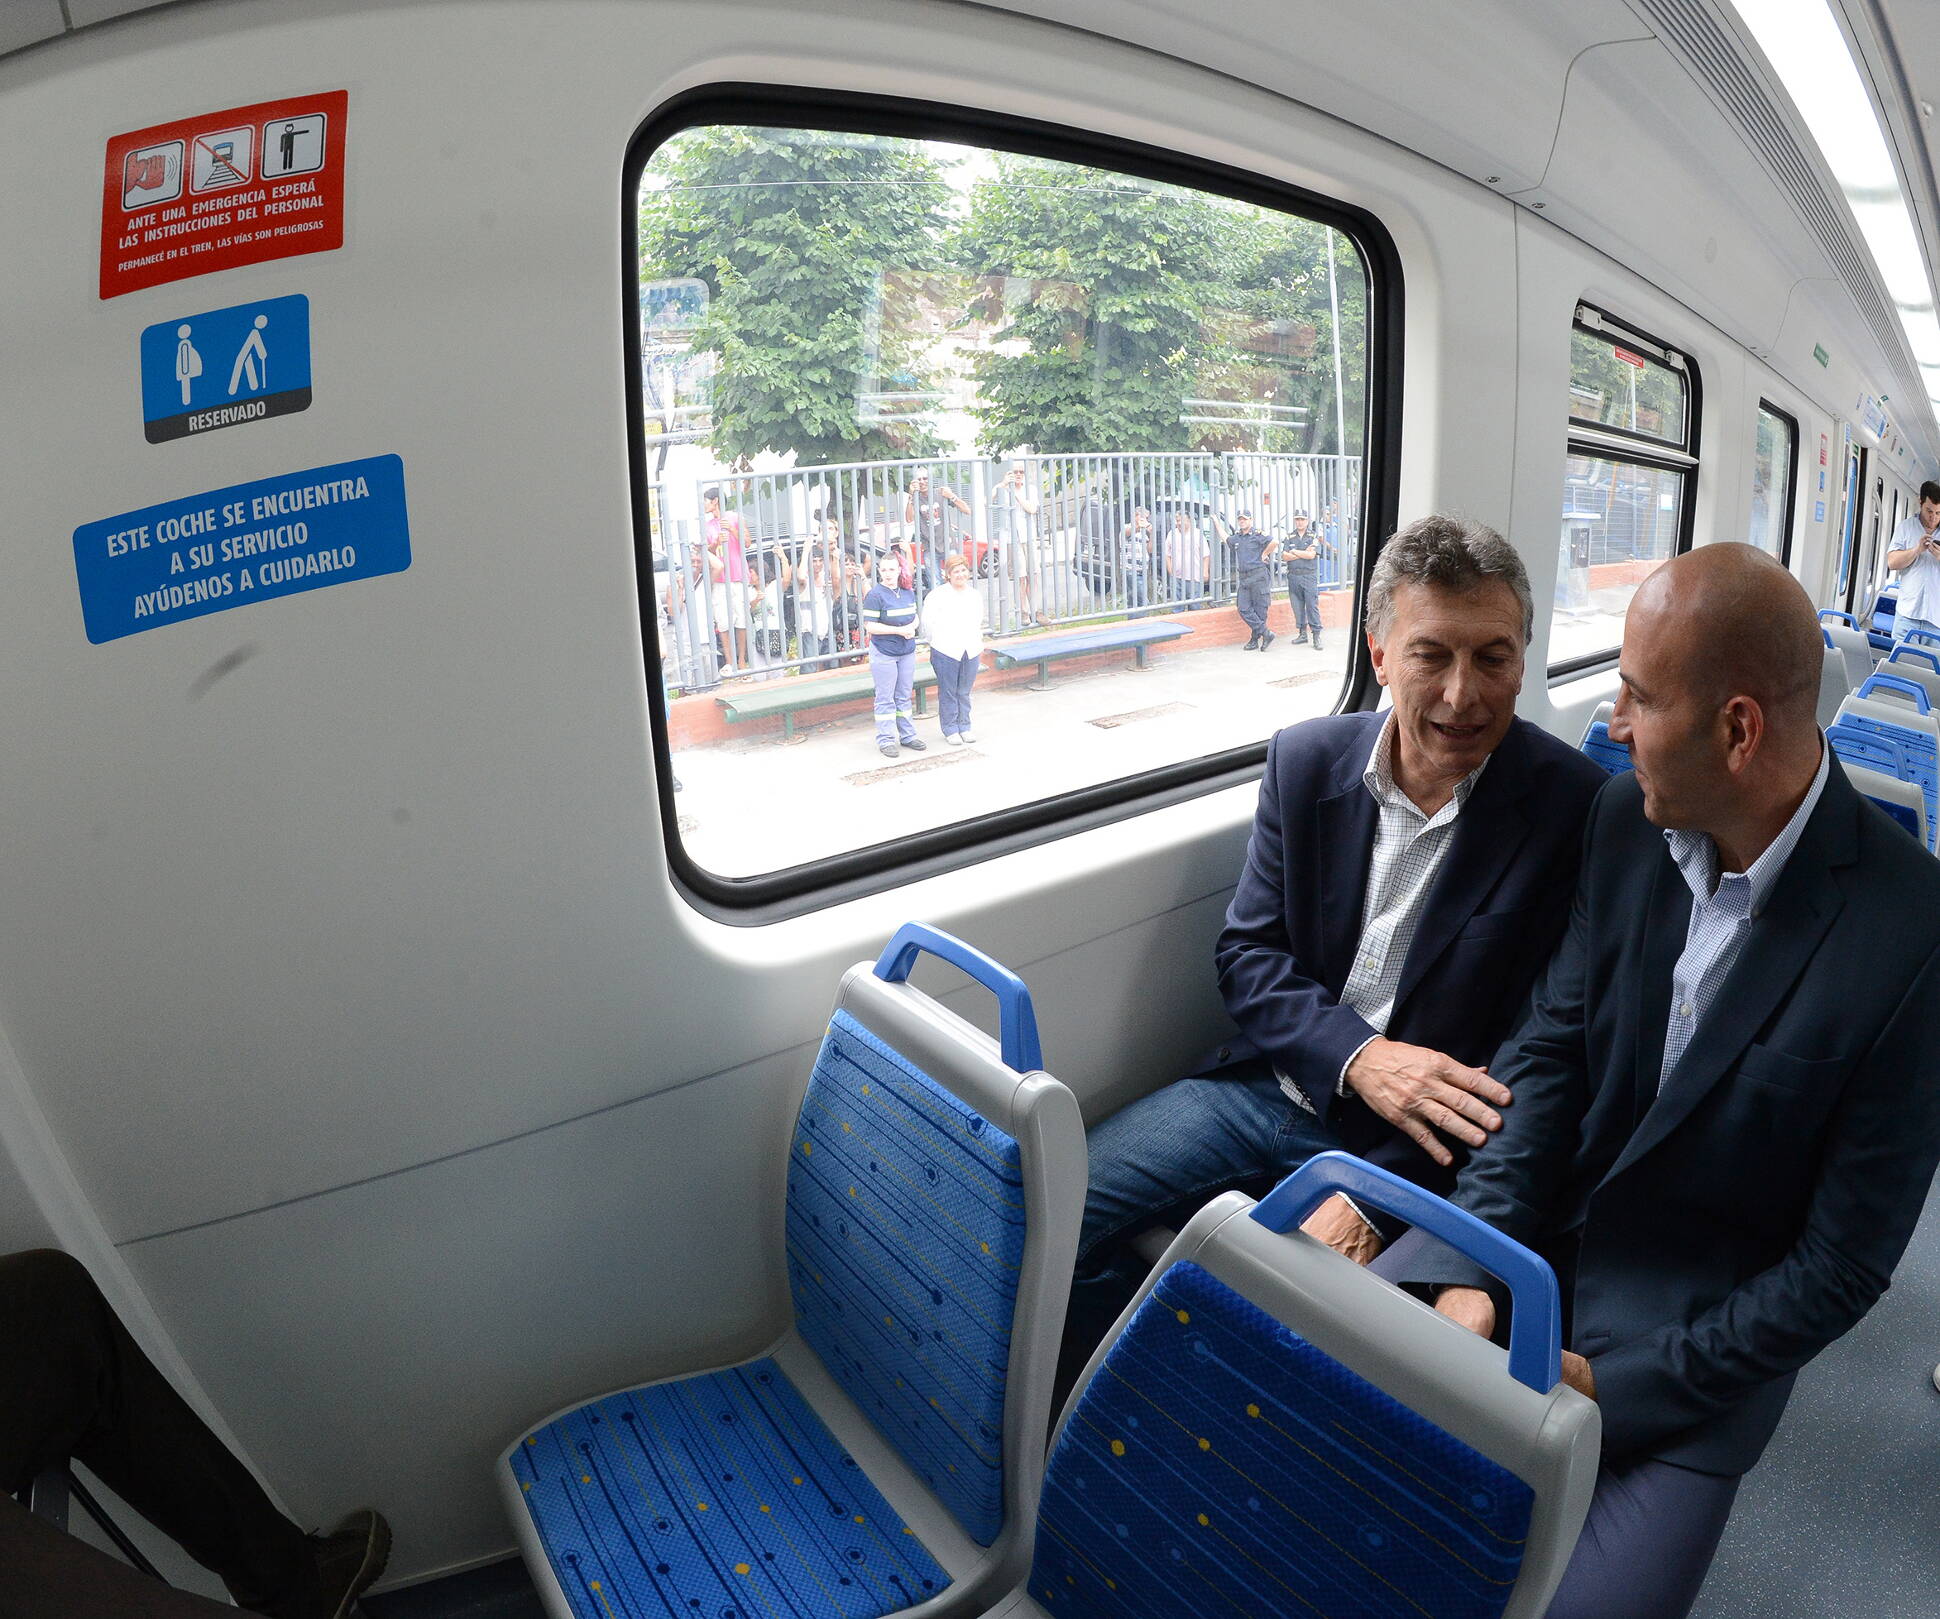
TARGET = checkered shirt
x,y
1724,908
1409,848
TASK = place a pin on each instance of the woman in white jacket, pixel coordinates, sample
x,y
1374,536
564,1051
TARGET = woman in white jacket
x,y
953,626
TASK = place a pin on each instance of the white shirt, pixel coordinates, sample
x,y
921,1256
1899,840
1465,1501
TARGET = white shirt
x,y
1920,579
1724,907
953,621
1409,848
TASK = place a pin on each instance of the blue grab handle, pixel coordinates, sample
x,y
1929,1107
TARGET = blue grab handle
x,y
1844,618
1904,653
1536,1327
1016,1017
1912,688
1926,636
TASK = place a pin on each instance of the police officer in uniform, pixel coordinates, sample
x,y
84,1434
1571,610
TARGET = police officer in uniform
x,y
1252,554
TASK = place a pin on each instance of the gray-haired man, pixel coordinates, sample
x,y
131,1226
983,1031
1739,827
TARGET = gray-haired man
x,y
1407,877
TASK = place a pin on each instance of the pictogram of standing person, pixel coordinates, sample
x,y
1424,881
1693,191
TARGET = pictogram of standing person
x,y
188,364
288,147
251,351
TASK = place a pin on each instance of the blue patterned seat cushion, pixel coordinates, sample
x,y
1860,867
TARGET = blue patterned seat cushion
x,y
1219,1464
905,1240
716,1497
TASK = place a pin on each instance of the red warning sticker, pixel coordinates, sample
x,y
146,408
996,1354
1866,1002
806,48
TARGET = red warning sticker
x,y
229,188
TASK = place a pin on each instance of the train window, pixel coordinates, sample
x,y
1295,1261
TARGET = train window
x,y
1774,469
900,393
1627,482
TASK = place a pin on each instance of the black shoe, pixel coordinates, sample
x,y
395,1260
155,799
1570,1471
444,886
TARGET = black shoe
x,y
915,744
1316,643
1252,645
1270,638
886,749
1300,639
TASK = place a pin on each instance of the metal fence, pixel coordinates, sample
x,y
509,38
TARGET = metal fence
x,y
768,577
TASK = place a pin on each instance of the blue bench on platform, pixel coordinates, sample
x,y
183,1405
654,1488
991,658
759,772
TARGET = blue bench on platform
x,y
885,1453
1137,637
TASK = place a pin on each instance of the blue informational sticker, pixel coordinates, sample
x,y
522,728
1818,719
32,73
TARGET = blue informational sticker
x,y
209,553
1818,511
227,367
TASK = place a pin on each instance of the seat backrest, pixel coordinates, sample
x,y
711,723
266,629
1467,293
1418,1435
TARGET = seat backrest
x,y
1868,748
1596,743
935,1185
1903,801
1891,686
1916,732
1853,646
1833,686
1269,1418
1917,665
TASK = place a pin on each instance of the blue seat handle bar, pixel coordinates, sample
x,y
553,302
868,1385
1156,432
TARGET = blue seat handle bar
x,y
1536,1327
1878,681
1016,1018
1927,637
1906,653
1843,618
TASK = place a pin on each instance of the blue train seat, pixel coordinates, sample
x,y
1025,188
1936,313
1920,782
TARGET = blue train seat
x,y
1596,743
1853,644
1897,709
1919,664
1270,1429
885,1452
1886,607
1875,769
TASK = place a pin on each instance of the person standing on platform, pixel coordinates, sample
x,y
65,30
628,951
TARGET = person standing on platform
x,y
1188,559
1013,538
1253,554
1301,549
889,621
1915,556
953,626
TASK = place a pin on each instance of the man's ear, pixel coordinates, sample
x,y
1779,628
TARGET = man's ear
x,y
1378,655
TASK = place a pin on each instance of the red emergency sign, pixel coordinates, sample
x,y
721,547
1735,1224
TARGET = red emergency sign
x,y
241,186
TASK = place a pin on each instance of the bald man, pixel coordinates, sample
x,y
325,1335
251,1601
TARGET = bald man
x,y
1727,1096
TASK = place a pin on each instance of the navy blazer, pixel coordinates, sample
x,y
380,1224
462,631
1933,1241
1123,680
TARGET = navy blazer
x,y
1714,1236
1495,911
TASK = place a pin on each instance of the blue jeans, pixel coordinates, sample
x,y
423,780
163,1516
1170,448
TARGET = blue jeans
x,y
954,678
895,679
1158,1160
1135,592
1906,624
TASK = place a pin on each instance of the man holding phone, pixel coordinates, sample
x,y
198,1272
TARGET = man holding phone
x,y
1915,556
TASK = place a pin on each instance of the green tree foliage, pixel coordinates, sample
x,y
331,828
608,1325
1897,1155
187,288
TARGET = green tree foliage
x,y
1101,285
1646,397
798,237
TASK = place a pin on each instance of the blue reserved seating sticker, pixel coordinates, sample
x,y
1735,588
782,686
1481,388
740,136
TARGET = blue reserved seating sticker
x,y
229,547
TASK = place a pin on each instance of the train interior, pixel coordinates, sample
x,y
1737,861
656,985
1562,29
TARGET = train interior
x,y
411,975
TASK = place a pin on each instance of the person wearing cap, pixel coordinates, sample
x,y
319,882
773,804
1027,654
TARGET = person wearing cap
x,y
1253,554
1301,549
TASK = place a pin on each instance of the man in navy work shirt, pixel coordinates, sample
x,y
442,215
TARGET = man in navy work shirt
x,y
1252,552
1914,555
1408,874
1727,1096
889,621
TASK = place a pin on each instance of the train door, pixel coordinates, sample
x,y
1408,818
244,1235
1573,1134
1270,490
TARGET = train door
x,y
1849,518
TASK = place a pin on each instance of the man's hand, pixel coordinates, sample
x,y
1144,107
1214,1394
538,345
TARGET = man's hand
x,y
1420,1091
1468,1307
1336,1224
1577,1373
1472,1308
